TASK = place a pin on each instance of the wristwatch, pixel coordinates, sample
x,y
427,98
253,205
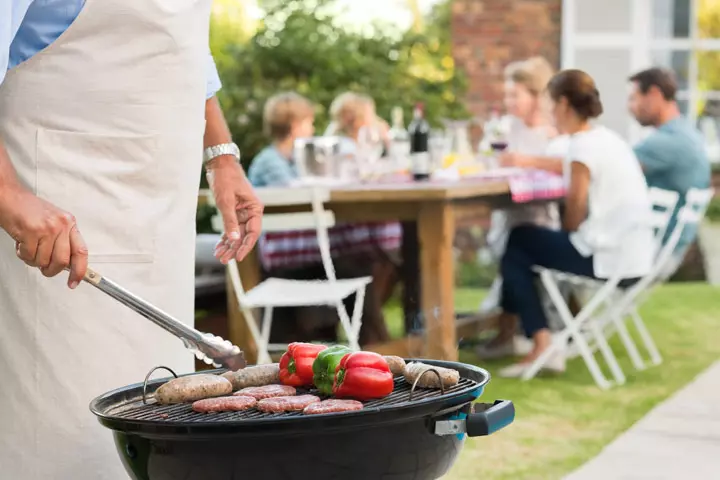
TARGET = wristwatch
x,y
215,151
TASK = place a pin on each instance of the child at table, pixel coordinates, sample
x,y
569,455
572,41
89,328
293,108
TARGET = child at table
x,y
287,117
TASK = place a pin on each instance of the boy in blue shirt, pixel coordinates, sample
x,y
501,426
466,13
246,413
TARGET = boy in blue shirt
x,y
673,157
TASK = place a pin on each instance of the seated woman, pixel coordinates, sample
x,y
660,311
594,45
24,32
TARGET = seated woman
x,y
530,133
605,229
287,117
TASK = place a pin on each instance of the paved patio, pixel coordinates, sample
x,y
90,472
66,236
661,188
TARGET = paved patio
x,y
679,439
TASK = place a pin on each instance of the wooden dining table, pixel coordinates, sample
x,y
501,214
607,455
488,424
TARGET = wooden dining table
x,y
435,208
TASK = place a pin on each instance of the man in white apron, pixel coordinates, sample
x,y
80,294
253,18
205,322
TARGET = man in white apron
x,y
106,124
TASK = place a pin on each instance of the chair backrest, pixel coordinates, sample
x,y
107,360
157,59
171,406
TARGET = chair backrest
x,y
691,214
663,206
700,199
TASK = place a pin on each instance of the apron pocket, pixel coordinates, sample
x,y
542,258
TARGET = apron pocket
x,y
110,184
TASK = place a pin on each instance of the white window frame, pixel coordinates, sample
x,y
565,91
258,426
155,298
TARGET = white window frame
x,y
637,41
642,44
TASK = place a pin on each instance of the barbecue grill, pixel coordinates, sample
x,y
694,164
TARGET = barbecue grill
x,y
413,434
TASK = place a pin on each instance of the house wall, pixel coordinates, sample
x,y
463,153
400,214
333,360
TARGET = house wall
x,y
489,34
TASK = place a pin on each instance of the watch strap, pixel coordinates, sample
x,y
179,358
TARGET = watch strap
x,y
215,151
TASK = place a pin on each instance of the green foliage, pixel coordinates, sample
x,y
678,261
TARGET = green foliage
x,y
713,212
300,47
474,275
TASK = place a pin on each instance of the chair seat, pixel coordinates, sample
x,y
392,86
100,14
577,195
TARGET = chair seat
x,y
572,278
583,281
280,292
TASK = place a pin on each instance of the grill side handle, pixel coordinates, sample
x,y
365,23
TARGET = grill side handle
x,y
482,420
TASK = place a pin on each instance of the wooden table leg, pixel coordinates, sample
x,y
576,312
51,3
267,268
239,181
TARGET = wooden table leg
x,y
436,229
237,326
411,277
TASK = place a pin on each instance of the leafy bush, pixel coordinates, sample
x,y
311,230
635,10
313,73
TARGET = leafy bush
x,y
713,211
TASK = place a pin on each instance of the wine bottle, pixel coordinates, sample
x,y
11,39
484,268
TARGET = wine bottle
x,y
419,130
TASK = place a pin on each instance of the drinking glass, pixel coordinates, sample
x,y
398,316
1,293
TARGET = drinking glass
x,y
369,149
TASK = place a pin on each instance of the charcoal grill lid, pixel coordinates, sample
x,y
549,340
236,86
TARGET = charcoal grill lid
x,y
123,410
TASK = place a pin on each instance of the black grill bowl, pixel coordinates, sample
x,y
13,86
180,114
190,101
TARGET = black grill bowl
x,y
391,439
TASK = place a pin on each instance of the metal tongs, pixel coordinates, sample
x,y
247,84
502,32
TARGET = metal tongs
x,y
207,347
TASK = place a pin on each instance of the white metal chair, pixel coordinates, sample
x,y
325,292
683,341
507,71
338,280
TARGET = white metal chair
x,y
278,292
627,302
663,206
599,294
620,303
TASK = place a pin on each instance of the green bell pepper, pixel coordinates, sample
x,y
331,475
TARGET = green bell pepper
x,y
325,365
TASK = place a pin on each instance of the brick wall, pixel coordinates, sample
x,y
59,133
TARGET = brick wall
x,y
489,34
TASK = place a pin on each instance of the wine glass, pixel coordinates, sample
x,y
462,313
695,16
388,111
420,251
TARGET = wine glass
x,y
369,148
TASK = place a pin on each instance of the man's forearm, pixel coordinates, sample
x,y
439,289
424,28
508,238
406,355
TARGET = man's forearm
x,y
8,176
216,129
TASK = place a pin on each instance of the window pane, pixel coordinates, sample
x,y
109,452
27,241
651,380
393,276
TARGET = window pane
x,y
677,61
671,18
709,125
709,18
606,16
610,68
708,71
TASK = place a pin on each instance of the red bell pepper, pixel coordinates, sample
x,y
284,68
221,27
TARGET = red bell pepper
x,y
363,376
296,364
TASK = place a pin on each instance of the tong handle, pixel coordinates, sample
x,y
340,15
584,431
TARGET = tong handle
x,y
141,306
209,348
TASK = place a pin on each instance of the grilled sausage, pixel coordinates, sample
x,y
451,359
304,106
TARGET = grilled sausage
x,y
268,391
191,388
254,376
332,406
286,404
413,370
235,403
396,364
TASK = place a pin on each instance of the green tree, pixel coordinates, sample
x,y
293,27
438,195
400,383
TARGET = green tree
x,y
298,46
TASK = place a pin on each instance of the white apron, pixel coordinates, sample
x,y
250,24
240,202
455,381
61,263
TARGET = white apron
x,y
106,123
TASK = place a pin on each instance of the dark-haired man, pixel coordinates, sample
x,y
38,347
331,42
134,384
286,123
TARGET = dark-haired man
x,y
673,156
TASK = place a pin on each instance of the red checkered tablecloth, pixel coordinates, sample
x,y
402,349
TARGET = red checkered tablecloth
x,y
536,185
294,249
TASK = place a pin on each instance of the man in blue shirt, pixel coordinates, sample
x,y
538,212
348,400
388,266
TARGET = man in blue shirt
x,y
673,157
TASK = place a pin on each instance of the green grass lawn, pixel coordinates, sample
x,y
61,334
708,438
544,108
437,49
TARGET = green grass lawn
x,y
562,422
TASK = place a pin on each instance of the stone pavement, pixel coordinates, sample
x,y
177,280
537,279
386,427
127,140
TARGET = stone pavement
x,y
678,440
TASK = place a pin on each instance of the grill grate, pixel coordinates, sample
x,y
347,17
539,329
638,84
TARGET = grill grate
x,y
183,413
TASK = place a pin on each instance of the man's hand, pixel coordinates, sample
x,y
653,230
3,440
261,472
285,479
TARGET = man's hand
x,y
45,236
240,209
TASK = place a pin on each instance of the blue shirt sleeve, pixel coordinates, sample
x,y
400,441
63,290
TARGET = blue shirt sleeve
x,y
270,169
49,20
12,13
654,155
213,79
